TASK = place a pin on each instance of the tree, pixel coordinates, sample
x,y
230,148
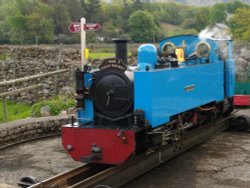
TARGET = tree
x,y
201,19
171,13
75,9
218,14
24,21
60,16
136,5
7,9
189,23
93,10
83,8
41,29
240,24
31,23
142,27
231,7
18,28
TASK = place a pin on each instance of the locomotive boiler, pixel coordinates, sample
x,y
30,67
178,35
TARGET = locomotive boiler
x,y
125,110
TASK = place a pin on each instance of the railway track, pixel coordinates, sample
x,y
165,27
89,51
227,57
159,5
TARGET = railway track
x,y
29,140
90,175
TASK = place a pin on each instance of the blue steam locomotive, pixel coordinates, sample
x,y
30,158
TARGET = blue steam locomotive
x,y
125,110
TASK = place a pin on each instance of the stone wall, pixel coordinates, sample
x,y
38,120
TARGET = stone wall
x,y
20,61
32,128
241,55
17,62
242,65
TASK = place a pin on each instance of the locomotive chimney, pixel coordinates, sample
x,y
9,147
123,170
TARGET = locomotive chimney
x,y
121,49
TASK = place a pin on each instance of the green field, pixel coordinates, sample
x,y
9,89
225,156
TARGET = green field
x,y
15,111
100,55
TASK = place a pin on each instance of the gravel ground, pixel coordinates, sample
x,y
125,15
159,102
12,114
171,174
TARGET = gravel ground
x,y
40,159
221,162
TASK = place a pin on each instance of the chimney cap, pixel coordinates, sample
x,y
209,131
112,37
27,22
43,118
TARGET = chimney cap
x,y
120,40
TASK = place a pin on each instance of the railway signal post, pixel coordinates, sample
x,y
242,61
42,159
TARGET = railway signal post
x,y
83,43
82,27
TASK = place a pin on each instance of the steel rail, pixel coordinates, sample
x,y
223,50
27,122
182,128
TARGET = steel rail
x,y
60,179
71,177
116,176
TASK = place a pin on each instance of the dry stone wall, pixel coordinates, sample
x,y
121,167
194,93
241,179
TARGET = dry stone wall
x,y
242,65
17,62
32,128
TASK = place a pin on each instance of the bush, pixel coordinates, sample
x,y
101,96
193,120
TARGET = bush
x,y
56,105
